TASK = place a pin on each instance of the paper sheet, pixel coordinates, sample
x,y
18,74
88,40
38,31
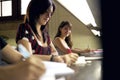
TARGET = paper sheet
x,y
56,69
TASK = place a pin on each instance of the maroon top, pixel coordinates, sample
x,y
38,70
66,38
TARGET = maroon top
x,y
25,31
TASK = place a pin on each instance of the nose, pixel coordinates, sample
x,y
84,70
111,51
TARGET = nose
x,y
68,29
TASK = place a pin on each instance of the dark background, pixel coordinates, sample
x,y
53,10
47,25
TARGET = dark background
x,y
111,39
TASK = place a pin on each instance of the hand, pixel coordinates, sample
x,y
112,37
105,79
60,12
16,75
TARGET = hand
x,y
30,69
86,50
57,58
70,58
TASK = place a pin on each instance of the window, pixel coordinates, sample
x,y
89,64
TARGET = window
x,y
6,8
24,4
12,9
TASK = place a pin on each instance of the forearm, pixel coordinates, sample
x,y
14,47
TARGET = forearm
x,y
11,55
77,51
26,44
44,57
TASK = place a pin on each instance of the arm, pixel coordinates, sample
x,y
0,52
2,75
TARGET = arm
x,y
23,35
11,55
8,53
67,58
61,45
77,50
27,45
31,69
54,51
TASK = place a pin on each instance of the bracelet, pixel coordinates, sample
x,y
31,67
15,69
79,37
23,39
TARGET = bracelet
x,y
79,54
52,57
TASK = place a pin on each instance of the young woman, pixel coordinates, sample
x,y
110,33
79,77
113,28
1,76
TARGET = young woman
x,y
30,69
33,33
63,42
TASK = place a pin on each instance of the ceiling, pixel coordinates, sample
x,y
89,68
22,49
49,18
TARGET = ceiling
x,y
95,8
96,11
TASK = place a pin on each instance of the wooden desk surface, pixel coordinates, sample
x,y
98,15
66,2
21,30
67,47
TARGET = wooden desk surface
x,y
89,71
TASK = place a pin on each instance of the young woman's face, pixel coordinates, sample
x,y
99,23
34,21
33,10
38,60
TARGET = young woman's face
x,y
44,18
65,31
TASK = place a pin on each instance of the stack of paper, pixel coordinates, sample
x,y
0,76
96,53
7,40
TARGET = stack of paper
x,y
84,60
93,58
93,53
80,60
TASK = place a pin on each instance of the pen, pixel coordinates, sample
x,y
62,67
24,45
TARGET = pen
x,y
88,46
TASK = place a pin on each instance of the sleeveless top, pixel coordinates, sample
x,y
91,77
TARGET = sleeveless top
x,y
25,31
61,52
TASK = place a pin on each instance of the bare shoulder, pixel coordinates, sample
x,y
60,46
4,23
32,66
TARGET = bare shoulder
x,y
56,40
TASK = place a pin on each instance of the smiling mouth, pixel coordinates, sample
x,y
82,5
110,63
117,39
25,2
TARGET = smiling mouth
x,y
66,32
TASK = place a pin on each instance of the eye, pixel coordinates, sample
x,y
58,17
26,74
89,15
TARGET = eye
x,y
48,13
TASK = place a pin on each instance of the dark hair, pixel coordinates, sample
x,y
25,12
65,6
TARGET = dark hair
x,y
68,38
34,9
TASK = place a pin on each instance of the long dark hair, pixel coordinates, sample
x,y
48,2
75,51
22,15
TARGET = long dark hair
x,y
34,10
68,38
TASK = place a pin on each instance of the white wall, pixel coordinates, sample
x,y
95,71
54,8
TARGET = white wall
x,y
81,35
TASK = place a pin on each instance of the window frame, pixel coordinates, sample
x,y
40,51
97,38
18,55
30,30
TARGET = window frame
x,y
16,12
